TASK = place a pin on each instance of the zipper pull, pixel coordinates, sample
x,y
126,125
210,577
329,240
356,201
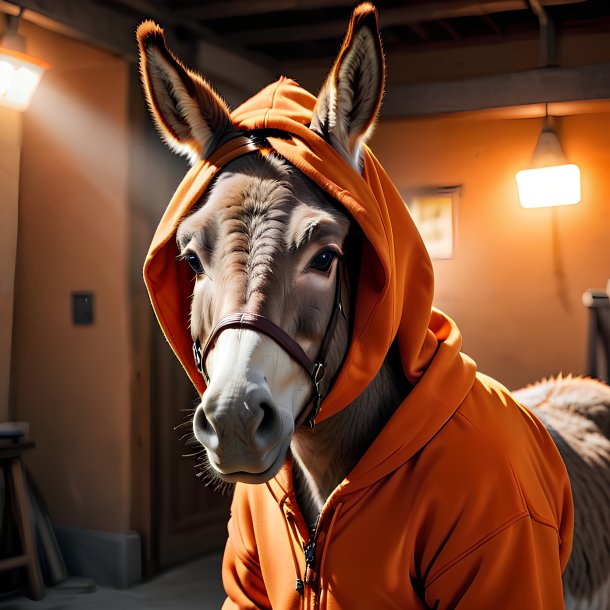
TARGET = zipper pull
x,y
311,576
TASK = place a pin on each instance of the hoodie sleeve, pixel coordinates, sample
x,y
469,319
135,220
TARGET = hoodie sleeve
x,y
241,574
518,567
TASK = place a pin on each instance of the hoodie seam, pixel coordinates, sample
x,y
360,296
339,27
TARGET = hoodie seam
x,y
442,570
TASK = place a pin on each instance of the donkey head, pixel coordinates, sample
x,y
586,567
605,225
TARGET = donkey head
x,y
265,243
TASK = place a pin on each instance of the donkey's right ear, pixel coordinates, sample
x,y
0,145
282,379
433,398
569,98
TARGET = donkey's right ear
x,y
191,117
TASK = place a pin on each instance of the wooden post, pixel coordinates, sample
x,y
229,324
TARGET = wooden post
x,y
10,149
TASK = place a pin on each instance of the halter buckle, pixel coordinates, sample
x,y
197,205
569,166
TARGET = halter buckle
x,y
319,372
198,356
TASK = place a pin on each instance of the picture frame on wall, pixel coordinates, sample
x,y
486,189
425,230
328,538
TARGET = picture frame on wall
x,y
434,211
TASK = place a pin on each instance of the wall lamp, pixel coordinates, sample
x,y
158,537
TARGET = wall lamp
x,y
549,179
20,73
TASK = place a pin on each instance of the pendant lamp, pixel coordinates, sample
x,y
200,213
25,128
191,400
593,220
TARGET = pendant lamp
x,y
549,179
20,73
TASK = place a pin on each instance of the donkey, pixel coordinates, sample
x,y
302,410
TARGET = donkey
x,y
374,466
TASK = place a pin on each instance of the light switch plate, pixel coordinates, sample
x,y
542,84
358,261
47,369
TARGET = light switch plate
x,y
82,308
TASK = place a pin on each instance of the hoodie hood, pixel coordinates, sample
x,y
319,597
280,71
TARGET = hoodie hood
x,y
395,288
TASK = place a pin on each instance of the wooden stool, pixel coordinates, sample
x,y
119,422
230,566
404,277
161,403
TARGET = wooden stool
x,y
10,462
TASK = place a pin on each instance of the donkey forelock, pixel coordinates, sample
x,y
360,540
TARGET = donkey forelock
x,y
254,220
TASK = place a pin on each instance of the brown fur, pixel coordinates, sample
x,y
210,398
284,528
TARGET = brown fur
x,y
576,411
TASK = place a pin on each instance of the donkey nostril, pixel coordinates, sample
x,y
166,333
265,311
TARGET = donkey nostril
x,y
269,425
202,426
268,421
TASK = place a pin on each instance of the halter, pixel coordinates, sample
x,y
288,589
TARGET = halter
x,y
316,370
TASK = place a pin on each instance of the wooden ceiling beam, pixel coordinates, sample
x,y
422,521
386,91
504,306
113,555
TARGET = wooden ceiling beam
x,y
492,24
96,24
543,85
89,22
244,8
420,31
450,29
391,16
241,8
405,15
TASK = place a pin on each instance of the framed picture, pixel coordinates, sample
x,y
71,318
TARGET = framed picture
x,y
434,212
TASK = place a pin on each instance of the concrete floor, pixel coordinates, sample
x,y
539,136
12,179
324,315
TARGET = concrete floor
x,y
195,585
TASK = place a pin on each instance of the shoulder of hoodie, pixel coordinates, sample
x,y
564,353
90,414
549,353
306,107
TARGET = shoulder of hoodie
x,y
497,451
489,467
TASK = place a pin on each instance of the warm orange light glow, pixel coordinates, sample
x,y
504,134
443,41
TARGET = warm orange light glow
x,y
19,78
549,186
549,180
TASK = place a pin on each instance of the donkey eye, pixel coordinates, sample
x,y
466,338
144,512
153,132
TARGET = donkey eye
x,y
322,261
194,263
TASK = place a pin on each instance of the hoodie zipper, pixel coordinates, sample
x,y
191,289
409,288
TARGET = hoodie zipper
x,y
310,577
309,550
314,551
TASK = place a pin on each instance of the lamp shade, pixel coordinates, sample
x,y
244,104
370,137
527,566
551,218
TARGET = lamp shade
x,y
19,77
549,180
20,73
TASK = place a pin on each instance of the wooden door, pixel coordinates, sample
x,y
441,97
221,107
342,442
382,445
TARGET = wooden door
x,y
189,518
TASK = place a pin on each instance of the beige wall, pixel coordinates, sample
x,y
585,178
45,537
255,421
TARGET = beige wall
x,y
72,382
515,283
10,148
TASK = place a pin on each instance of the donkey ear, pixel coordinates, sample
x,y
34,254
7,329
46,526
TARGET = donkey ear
x,y
349,100
191,117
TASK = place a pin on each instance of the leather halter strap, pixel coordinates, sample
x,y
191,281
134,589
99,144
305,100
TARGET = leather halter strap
x,y
237,147
263,325
316,370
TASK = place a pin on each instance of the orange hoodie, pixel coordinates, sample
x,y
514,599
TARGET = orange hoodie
x,y
461,502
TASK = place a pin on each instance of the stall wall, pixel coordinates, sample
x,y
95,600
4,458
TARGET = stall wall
x,y
71,382
10,149
517,277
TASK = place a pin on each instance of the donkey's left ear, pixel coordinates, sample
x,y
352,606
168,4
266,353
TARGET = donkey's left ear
x,y
349,101
190,116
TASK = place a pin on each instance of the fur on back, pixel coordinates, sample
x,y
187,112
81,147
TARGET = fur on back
x,y
576,411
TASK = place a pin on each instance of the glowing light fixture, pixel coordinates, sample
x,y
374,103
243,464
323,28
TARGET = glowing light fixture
x,y
549,180
20,73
